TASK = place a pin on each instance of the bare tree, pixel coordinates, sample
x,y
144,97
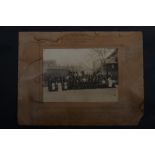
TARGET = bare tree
x,y
99,55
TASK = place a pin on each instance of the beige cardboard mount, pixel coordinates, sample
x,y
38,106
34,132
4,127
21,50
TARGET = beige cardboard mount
x,y
127,111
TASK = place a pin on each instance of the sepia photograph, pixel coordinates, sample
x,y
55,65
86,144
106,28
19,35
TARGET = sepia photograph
x,y
80,78
80,75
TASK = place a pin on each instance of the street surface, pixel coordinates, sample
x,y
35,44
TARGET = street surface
x,y
83,95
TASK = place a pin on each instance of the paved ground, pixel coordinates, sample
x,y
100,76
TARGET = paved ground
x,y
89,95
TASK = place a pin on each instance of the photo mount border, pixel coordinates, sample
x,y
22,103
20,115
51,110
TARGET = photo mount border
x,y
130,107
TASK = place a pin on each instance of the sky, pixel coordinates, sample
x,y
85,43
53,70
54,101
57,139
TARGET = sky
x,y
71,56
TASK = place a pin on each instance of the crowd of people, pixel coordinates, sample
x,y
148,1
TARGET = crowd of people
x,y
75,80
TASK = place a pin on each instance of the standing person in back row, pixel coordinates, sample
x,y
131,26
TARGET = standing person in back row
x,y
110,82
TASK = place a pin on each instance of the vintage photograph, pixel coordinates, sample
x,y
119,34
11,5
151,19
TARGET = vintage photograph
x,y
80,75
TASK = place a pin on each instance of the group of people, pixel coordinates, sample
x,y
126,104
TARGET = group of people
x,y
75,80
